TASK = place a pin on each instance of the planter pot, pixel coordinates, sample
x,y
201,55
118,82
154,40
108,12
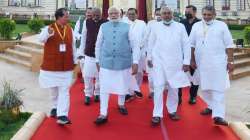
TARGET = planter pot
x,y
5,44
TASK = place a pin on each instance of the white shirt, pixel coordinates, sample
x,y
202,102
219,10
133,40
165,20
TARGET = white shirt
x,y
210,43
169,51
169,43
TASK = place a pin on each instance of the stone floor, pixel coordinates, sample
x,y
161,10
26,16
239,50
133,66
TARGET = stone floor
x,y
37,99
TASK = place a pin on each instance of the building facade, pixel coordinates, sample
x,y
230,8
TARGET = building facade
x,y
226,9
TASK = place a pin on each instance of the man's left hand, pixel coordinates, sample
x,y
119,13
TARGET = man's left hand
x,y
230,67
134,69
186,68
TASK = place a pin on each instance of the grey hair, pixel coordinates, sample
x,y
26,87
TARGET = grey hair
x,y
209,8
165,8
96,9
113,8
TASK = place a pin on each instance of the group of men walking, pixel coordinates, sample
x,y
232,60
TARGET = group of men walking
x,y
114,53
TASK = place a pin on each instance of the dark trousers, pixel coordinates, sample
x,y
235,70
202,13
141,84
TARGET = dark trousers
x,y
193,89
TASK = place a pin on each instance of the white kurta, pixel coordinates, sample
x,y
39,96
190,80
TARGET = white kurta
x,y
138,29
48,79
210,43
169,51
116,81
77,35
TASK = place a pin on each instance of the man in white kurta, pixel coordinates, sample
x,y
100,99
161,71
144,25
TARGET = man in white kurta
x,y
138,29
86,53
149,69
116,53
169,54
55,74
78,31
212,47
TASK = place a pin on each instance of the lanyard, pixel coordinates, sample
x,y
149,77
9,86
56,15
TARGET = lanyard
x,y
64,32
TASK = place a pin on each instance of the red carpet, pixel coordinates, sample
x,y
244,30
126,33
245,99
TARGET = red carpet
x,y
135,126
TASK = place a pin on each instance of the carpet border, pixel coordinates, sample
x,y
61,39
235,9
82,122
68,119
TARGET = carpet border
x,y
241,130
30,126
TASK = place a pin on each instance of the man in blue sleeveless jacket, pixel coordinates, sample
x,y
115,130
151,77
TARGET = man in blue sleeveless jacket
x,y
116,52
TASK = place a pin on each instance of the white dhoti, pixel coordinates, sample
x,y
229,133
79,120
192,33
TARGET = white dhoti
x,y
59,84
91,77
113,82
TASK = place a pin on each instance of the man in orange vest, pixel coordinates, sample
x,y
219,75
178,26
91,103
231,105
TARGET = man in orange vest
x,y
58,63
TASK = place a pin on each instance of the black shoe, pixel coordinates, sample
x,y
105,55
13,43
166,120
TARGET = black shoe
x,y
192,101
101,120
62,120
151,95
138,94
87,100
206,112
129,98
123,110
97,98
174,116
155,121
220,121
53,113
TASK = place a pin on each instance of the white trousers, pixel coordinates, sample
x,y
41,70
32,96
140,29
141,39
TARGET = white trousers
x,y
139,78
215,100
104,101
172,100
60,98
150,80
92,86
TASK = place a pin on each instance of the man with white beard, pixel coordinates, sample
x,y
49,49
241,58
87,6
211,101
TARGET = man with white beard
x,y
138,29
149,67
212,53
169,54
116,53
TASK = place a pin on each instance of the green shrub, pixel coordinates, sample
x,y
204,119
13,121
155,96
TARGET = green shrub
x,y
237,27
35,25
25,21
247,35
7,26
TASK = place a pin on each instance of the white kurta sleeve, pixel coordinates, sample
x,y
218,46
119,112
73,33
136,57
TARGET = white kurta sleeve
x,y
74,48
151,43
44,35
143,36
192,40
76,29
99,43
227,37
185,46
135,45
80,50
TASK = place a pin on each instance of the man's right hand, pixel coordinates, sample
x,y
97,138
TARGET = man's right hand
x,y
98,67
50,30
150,63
